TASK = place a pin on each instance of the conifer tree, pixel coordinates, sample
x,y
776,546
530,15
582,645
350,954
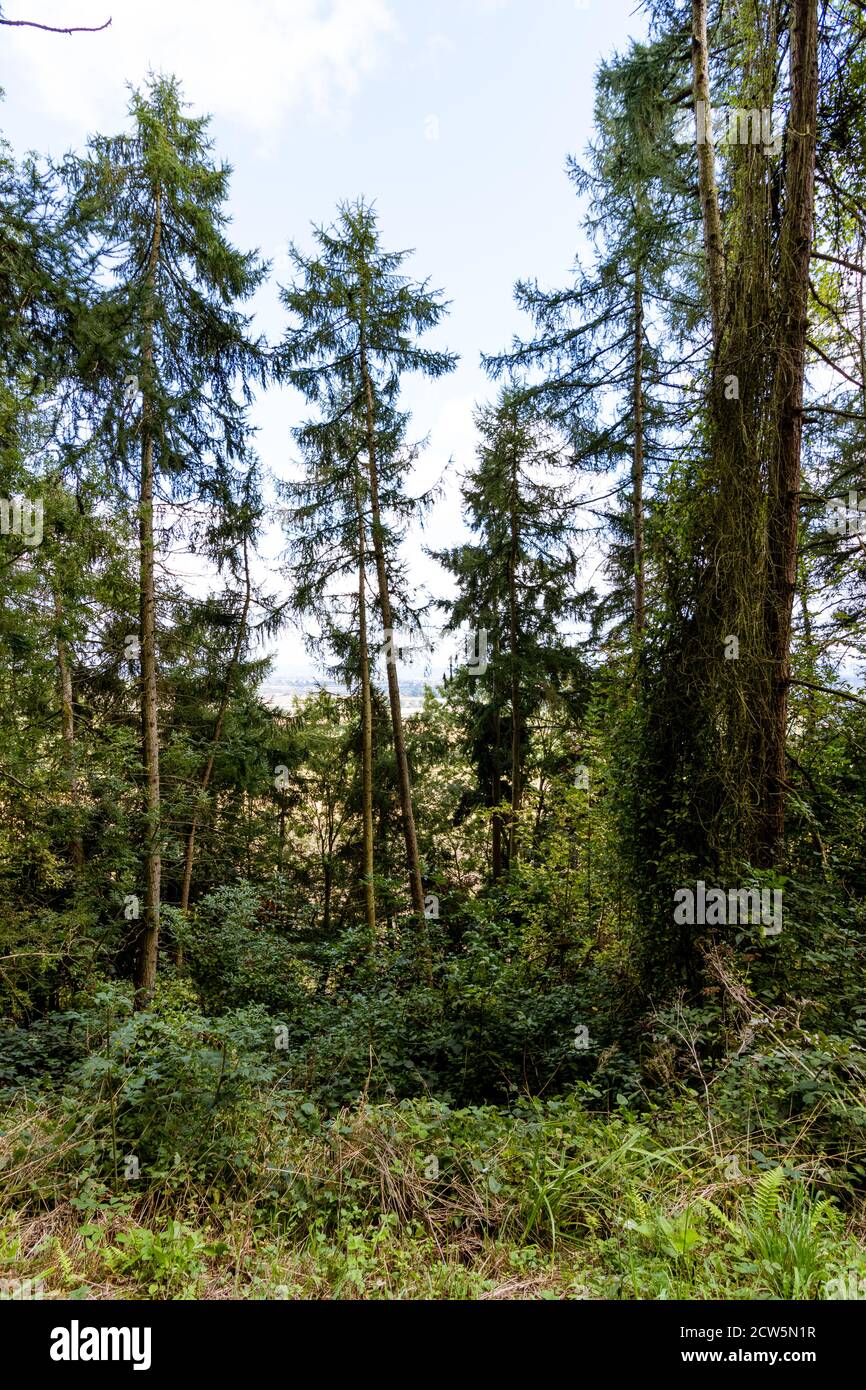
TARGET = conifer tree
x,y
180,356
595,365
329,528
237,527
355,323
516,581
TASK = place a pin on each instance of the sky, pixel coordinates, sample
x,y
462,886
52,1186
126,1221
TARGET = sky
x,y
454,116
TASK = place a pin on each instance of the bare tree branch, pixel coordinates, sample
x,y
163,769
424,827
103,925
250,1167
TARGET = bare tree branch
x,y
834,365
829,690
50,28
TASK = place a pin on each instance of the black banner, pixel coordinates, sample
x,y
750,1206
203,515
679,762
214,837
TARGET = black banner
x,y
94,1340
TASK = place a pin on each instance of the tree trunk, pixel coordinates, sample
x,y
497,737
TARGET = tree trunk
x,y
637,463
405,787
217,735
861,322
282,833
496,832
366,721
707,188
516,771
327,880
795,247
76,846
496,854
146,971
811,720
496,797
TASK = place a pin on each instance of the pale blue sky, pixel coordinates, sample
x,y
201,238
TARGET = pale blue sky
x,y
455,116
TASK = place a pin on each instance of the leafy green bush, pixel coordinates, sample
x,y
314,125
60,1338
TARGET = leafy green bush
x,y
234,959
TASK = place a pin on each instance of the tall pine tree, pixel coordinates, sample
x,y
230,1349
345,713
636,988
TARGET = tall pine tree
x,y
175,367
355,323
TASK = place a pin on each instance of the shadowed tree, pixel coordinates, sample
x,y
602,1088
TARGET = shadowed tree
x,y
516,581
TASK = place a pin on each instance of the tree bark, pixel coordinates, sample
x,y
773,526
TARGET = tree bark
x,y
366,721
282,833
795,246
638,464
707,188
149,949
76,845
516,771
413,860
496,780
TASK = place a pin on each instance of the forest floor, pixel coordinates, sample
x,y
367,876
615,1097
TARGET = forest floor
x,y
416,1200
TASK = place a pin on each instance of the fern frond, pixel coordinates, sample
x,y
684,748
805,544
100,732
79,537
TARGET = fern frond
x,y
720,1216
765,1198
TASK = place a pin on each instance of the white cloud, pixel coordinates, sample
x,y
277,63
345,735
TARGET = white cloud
x,y
251,63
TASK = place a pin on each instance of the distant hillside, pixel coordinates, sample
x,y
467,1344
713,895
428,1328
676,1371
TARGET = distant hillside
x,y
282,693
